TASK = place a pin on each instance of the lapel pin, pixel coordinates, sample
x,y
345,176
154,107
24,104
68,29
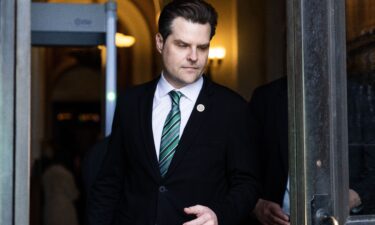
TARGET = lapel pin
x,y
200,108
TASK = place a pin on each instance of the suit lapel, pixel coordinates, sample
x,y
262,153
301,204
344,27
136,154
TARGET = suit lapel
x,y
193,125
145,120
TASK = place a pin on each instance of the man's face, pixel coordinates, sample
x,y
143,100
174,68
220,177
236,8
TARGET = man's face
x,y
185,51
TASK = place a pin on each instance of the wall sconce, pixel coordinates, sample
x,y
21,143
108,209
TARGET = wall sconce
x,y
215,58
123,40
216,55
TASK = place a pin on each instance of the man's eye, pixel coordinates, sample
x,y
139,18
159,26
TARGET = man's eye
x,y
181,45
203,47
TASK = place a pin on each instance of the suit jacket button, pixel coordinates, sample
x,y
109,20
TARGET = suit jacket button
x,y
162,189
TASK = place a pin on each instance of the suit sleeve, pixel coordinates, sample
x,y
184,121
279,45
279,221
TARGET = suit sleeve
x,y
242,172
107,189
364,187
361,131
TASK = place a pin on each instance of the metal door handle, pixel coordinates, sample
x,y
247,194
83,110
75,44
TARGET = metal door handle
x,y
324,218
331,219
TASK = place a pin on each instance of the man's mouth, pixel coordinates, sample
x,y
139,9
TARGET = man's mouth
x,y
190,67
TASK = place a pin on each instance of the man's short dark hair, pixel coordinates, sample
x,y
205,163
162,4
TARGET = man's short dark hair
x,y
196,11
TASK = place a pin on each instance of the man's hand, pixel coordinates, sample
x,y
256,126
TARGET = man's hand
x,y
205,216
354,199
270,213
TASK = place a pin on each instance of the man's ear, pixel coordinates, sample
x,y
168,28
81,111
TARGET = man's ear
x,y
159,42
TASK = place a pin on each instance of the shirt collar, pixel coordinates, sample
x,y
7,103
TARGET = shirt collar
x,y
190,91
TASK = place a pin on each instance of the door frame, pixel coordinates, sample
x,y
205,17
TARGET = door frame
x,y
15,111
318,130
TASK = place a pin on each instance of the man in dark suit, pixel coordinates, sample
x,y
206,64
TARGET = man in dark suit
x,y
179,150
269,112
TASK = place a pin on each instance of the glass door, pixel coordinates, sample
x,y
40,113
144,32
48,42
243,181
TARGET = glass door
x,y
330,117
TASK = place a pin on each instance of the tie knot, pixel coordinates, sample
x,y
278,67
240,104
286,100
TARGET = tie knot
x,y
175,96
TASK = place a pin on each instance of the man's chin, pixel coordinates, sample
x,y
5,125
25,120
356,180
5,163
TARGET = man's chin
x,y
191,79
183,79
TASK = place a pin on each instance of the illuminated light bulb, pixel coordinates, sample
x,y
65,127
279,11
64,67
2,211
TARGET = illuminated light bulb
x,y
123,40
111,96
217,53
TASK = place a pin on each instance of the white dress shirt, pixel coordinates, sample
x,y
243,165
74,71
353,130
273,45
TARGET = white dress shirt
x,y
162,104
286,200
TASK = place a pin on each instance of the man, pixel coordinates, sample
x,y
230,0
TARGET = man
x,y
179,151
269,112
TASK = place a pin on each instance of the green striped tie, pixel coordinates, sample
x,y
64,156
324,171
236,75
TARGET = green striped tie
x,y
171,133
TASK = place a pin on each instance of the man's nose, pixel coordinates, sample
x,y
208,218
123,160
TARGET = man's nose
x,y
193,56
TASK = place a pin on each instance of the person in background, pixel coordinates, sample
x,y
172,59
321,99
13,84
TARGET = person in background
x,y
268,110
60,190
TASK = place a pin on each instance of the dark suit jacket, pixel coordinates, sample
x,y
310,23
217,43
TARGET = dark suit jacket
x,y
361,134
90,167
92,163
213,164
269,115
